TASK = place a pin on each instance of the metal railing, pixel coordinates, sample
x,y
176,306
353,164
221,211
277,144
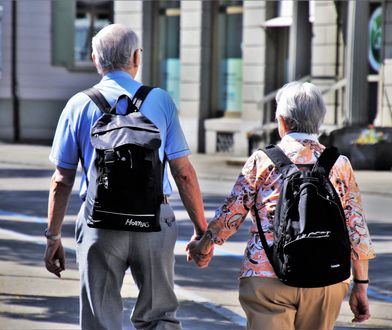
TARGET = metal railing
x,y
338,88
340,84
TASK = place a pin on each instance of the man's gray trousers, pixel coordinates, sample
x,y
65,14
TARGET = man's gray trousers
x,y
105,255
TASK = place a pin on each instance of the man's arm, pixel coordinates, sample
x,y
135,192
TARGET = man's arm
x,y
185,177
60,190
359,303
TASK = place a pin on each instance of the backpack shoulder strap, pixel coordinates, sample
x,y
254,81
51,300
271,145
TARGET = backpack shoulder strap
x,y
326,160
96,96
280,160
140,96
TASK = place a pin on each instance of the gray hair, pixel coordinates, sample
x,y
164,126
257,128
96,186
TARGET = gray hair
x,y
302,106
114,47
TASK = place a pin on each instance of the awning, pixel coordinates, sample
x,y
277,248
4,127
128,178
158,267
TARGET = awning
x,y
281,21
285,15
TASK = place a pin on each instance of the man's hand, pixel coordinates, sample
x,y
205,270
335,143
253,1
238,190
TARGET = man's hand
x,y
359,303
60,190
200,252
54,257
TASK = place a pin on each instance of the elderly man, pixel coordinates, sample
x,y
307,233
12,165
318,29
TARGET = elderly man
x,y
267,302
104,255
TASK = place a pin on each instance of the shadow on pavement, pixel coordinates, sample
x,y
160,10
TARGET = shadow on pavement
x,y
35,228
33,202
25,173
29,173
191,315
379,268
196,317
221,273
52,309
28,254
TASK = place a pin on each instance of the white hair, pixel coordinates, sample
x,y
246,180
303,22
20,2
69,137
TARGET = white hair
x,y
302,106
114,47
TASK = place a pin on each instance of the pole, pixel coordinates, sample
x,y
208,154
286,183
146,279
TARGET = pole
x,y
14,81
356,63
300,42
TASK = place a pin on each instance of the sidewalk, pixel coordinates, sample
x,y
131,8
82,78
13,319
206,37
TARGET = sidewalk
x,y
37,304
33,299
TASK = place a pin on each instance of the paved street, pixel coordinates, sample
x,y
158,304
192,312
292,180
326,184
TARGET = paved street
x,y
31,298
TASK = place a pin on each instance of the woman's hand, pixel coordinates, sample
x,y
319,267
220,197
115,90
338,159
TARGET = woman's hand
x,y
359,303
200,251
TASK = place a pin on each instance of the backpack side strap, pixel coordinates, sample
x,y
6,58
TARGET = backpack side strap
x,y
140,96
96,96
266,247
326,160
283,163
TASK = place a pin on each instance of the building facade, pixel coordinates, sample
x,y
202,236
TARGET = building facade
x,y
221,61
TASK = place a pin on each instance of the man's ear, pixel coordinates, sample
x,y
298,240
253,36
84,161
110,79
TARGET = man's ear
x,y
93,57
136,58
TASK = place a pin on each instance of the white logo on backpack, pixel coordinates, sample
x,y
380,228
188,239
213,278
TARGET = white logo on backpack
x,y
131,222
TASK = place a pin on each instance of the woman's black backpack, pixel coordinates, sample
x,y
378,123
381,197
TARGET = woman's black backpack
x,y
125,188
311,246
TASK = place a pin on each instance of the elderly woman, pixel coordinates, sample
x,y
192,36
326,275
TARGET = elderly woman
x,y
267,302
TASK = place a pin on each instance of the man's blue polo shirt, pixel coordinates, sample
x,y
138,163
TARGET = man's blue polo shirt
x,y
80,114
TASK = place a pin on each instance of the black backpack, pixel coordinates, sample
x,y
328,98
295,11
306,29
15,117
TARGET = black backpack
x,y
311,246
125,184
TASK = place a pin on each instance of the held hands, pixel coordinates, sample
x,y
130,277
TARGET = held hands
x,y
200,251
54,257
359,303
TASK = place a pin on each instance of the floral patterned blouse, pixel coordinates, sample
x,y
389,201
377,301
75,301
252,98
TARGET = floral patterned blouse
x,y
260,183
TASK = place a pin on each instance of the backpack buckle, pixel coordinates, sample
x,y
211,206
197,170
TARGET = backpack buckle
x,y
109,156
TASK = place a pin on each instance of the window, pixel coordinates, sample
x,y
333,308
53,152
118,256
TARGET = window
x,y
74,23
374,55
277,42
90,18
229,56
169,52
1,40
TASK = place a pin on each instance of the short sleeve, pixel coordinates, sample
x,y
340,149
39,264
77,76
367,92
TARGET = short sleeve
x,y
176,145
64,151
